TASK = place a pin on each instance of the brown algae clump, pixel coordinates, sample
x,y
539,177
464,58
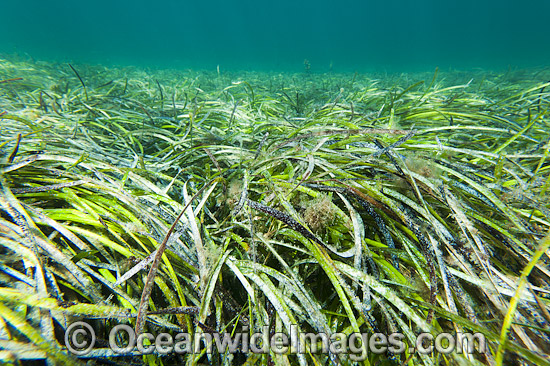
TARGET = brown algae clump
x,y
319,213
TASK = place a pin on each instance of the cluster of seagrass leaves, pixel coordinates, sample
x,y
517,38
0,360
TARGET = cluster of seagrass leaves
x,y
216,202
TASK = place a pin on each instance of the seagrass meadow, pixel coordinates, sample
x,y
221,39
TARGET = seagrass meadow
x,y
211,202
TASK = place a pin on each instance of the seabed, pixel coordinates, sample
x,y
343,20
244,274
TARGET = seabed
x,y
204,202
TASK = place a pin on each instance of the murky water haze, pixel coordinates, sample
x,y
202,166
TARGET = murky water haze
x,y
400,35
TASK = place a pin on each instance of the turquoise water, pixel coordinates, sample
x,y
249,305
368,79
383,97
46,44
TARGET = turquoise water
x,y
340,35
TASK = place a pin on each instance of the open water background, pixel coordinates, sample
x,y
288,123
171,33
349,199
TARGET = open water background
x,y
343,35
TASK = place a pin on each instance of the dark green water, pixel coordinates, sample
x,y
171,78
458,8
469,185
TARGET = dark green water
x,y
399,35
